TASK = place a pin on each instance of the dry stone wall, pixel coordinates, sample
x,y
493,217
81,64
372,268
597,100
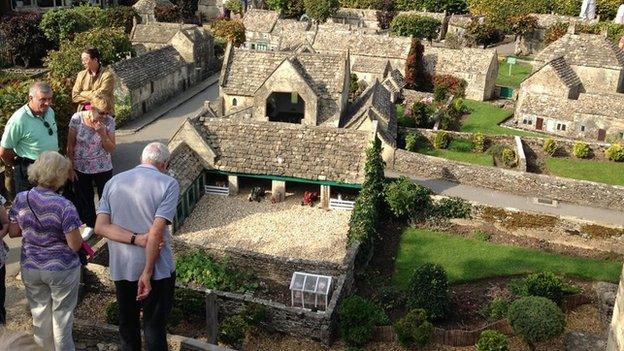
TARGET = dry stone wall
x,y
521,183
616,330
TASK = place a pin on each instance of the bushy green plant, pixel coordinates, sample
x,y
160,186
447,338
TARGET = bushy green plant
x,y
442,140
454,85
581,150
289,8
497,309
234,5
357,318
112,313
615,152
508,156
255,314
461,145
523,25
429,290
64,23
119,16
544,284
415,141
440,93
478,139
406,199
230,30
409,5
481,235
23,39
453,207
536,319
200,268
421,113
567,7
123,113
112,43
167,13
607,9
406,24
550,146
232,331
321,10
499,12
484,34
492,340
414,328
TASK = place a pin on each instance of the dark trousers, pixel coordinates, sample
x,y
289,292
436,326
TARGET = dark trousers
x,y
156,308
2,294
20,177
85,182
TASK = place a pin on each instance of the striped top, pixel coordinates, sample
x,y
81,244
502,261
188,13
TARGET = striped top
x,y
44,246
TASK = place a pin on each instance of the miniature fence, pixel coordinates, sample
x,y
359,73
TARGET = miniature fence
x,y
338,204
188,200
216,190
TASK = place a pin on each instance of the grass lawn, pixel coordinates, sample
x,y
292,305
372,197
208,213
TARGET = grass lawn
x,y
595,171
485,118
467,259
455,154
519,71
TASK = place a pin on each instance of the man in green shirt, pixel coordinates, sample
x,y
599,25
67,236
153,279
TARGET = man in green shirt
x,y
30,131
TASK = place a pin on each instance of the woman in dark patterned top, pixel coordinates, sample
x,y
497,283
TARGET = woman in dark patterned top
x,y
49,226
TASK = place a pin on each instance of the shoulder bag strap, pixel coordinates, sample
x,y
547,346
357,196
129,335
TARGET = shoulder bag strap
x,y
31,209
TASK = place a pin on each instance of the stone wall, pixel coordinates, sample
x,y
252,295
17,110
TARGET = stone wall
x,y
616,330
521,183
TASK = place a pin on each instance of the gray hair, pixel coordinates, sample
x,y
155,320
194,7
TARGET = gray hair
x,y
39,86
155,153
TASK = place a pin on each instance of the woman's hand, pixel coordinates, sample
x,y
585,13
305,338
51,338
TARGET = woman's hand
x,y
100,128
72,174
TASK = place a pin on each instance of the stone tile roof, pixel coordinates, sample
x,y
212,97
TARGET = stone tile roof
x,y
565,72
247,70
371,65
362,44
315,153
603,104
584,50
147,6
185,166
355,14
153,65
374,104
546,105
157,32
394,82
597,105
292,33
261,21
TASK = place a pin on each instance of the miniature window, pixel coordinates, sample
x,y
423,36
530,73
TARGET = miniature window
x,y
561,127
253,46
582,128
151,87
262,46
621,135
234,102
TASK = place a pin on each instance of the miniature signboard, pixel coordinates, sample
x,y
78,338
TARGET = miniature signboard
x,y
511,60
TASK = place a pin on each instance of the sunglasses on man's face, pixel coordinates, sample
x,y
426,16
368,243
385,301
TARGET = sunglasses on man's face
x,y
47,125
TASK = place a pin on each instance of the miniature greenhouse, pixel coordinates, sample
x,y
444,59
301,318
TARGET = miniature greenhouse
x,y
310,291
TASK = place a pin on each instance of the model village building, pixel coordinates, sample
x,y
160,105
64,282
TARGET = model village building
x,y
576,89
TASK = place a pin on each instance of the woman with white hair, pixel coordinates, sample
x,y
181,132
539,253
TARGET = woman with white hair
x,y
50,266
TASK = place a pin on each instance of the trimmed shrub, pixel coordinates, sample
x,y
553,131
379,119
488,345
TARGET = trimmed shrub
x,y
555,32
453,207
429,290
497,309
414,25
581,150
64,23
615,152
567,7
536,319
415,141
442,140
550,146
414,328
492,340
357,318
409,5
478,139
454,85
500,11
406,199
416,77
480,235
234,6
230,30
321,10
23,39
508,156
522,25
232,331
607,9
289,8
422,113
543,284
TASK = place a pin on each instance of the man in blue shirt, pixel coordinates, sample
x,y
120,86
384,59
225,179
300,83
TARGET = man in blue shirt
x,y
135,211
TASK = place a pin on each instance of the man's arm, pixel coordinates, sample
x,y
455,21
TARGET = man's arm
x,y
7,156
152,250
106,86
77,90
105,228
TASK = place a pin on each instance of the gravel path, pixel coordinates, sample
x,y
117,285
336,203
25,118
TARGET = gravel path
x,y
284,229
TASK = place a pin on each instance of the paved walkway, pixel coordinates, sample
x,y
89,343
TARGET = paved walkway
x,y
496,198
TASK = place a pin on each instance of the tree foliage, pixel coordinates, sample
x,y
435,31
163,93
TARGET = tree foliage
x,y
288,8
167,13
414,25
522,25
24,40
416,76
484,33
112,43
321,10
230,30
358,317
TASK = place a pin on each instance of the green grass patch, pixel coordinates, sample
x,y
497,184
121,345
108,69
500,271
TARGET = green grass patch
x,y
468,259
468,157
519,72
485,118
607,172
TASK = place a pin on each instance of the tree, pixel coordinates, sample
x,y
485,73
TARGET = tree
x,y
386,13
522,25
230,30
321,10
416,76
288,8
24,39
112,43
